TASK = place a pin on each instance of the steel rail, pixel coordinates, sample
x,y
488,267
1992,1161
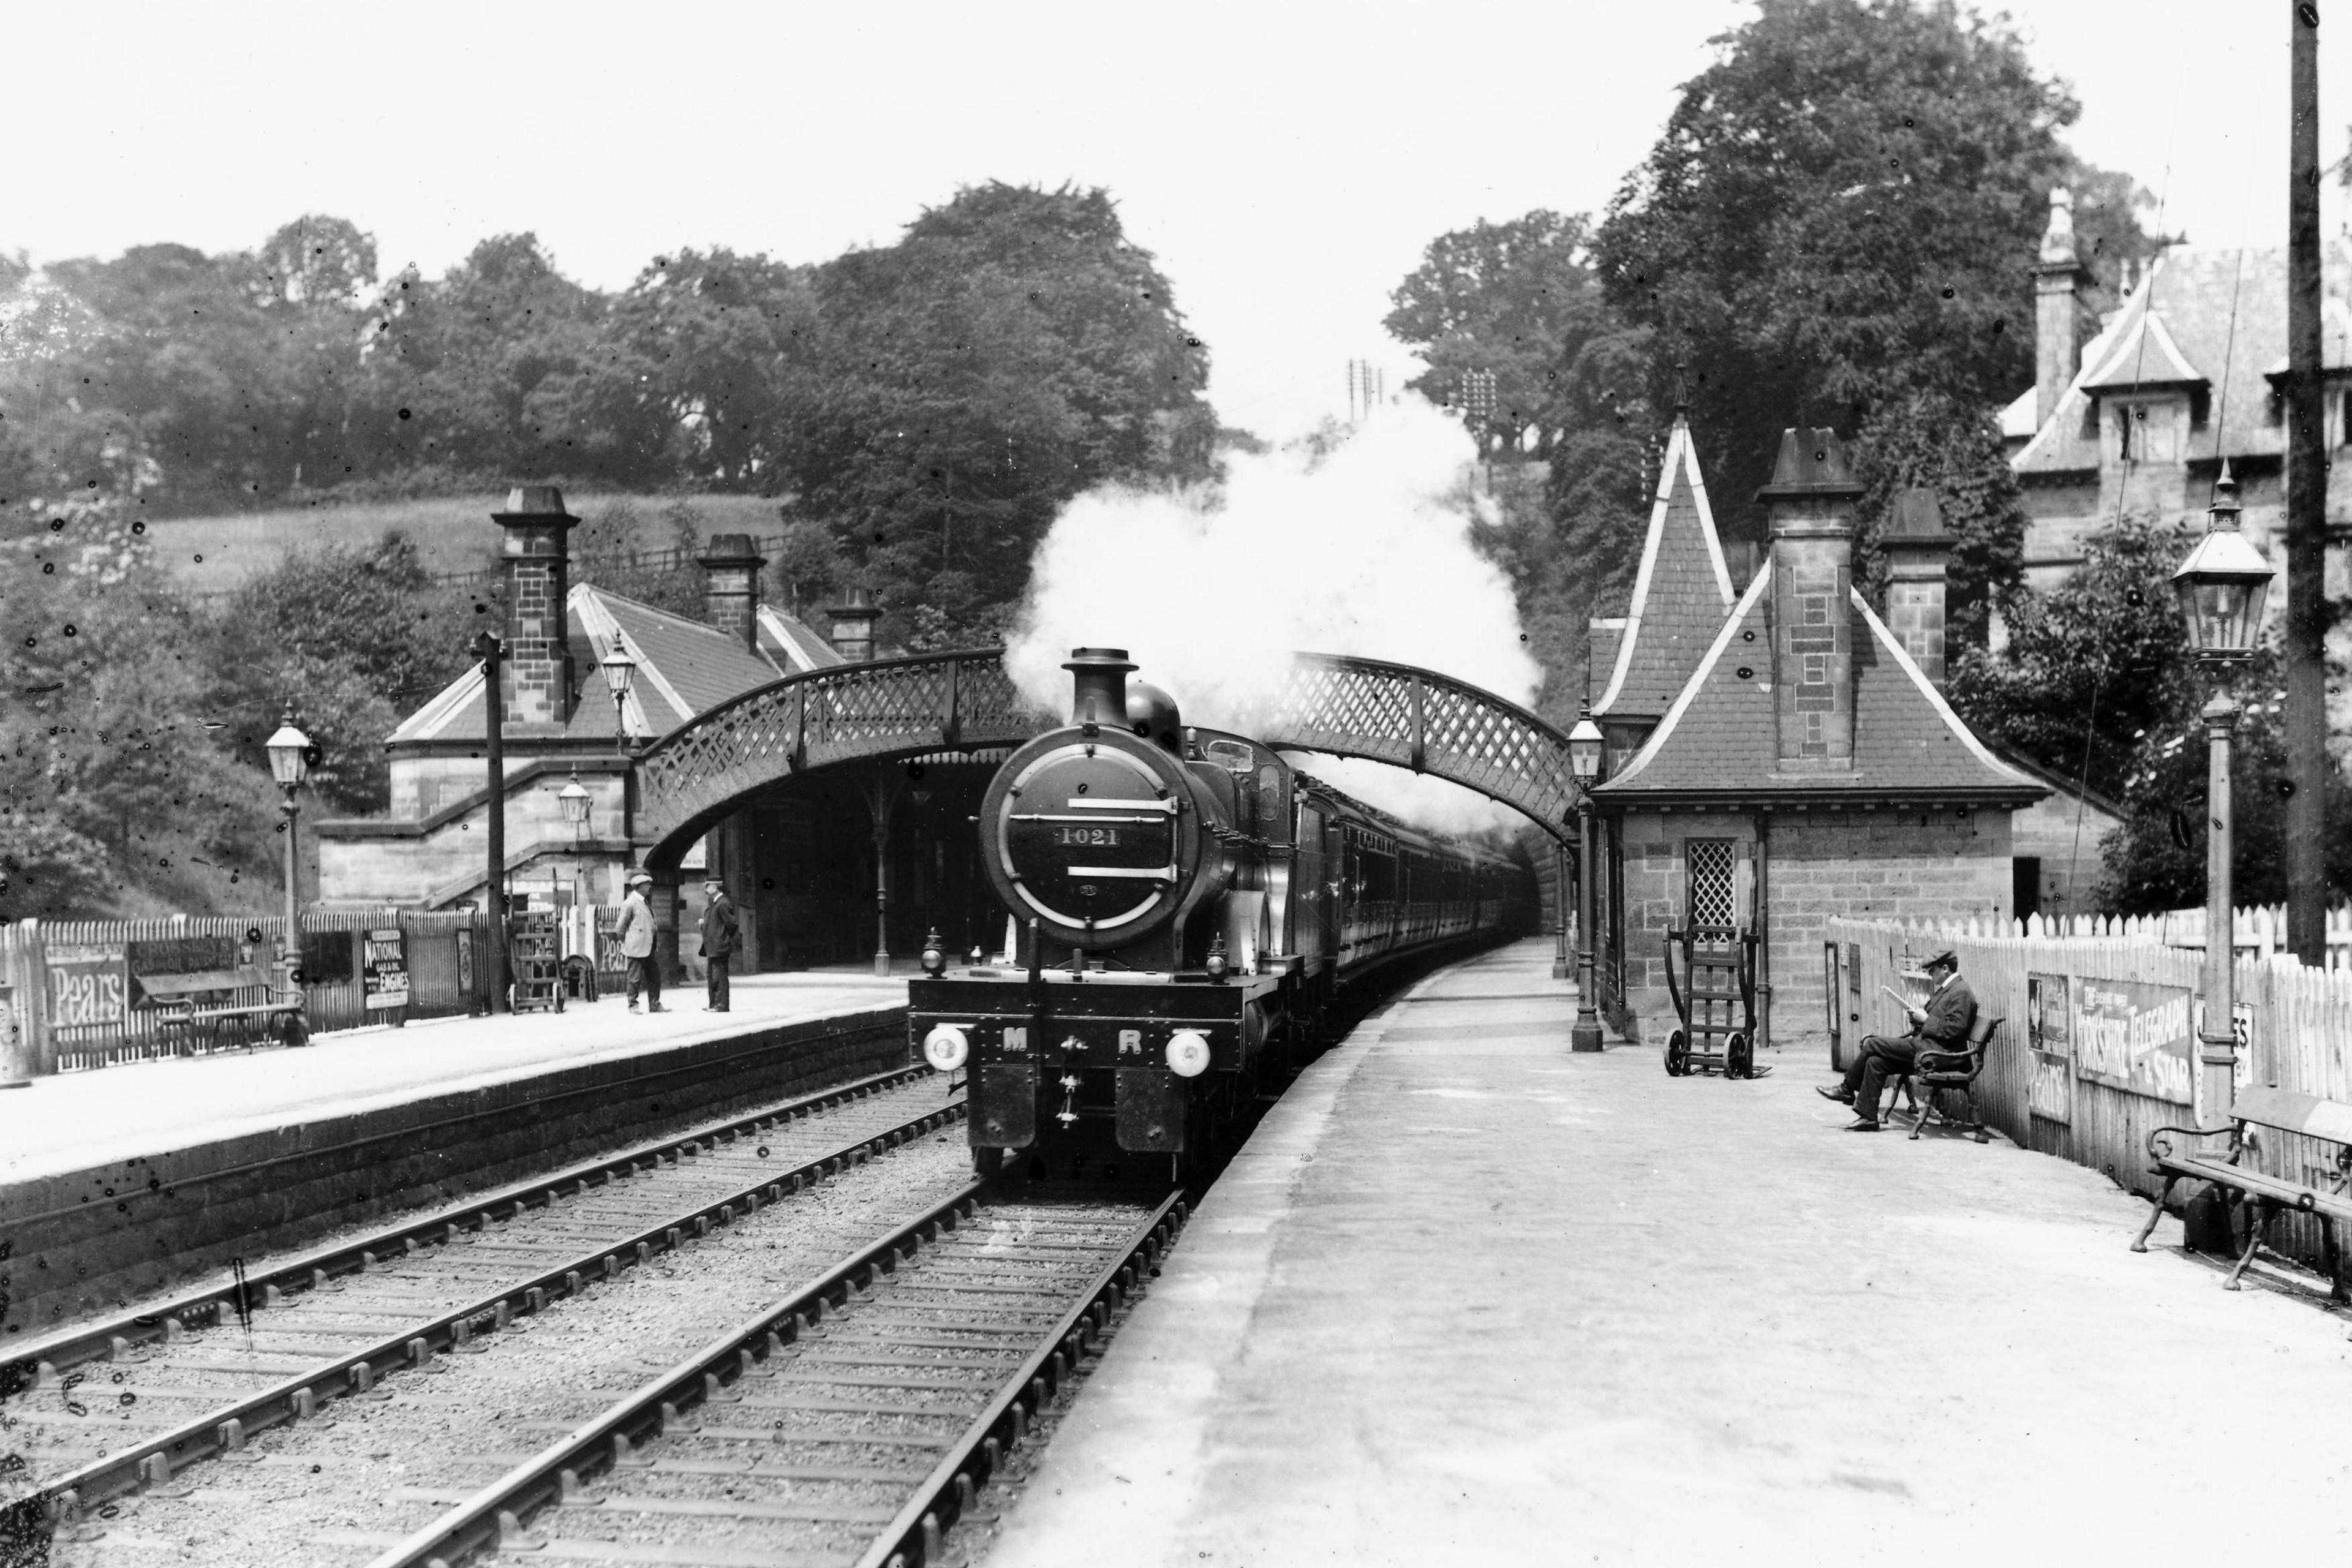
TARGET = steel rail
x,y
491,1517
912,1537
226,1428
112,1336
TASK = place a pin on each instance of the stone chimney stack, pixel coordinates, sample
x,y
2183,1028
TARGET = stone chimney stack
x,y
730,586
1917,552
852,626
1810,510
2058,280
536,676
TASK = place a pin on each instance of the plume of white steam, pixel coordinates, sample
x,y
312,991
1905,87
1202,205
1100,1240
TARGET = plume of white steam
x,y
1367,552
1418,798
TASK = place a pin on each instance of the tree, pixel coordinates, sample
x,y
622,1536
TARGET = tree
x,y
1832,230
506,367
718,332
1518,300
122,794
357,635
2097,684
1012,350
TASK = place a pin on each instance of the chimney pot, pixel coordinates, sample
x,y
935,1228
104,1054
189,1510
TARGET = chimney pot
x,y
852,626
2058,279
535,678
1810,508
730,586
1918,552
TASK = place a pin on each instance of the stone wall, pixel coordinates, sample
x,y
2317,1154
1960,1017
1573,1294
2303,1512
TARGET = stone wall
x,y
1877,864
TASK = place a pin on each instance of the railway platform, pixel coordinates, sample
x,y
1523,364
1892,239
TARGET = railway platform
x,y
122,1181
1467,1297
73,1121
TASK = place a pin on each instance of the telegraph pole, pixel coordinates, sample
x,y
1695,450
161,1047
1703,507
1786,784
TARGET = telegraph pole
x,y
2306,512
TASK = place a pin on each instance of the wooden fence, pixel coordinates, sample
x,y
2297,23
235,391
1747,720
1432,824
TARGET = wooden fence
x,y
2099,1048
77,1000
72,998
2258,931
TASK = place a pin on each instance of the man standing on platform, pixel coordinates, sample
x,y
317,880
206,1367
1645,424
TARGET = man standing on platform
x,y
1941,1026
636,933
721,932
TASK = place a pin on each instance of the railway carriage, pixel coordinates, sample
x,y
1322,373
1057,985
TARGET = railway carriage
x,y
1185,908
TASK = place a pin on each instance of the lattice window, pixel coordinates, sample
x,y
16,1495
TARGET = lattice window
x,y
1710,863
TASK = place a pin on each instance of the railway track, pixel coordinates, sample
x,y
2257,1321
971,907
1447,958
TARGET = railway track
x,y
126,1404
852,1423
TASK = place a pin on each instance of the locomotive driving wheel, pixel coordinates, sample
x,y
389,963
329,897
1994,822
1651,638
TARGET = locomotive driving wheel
x,y
1677,1054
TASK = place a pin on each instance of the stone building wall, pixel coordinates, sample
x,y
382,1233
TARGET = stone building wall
x,y
1942,864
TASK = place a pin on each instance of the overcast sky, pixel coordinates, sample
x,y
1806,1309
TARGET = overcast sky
x,y
1286,162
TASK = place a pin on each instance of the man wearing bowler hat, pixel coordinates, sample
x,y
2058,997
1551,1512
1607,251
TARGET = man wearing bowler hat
x,y
722,931
1941,1026
636,933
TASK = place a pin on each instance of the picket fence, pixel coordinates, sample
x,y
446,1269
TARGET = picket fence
x,y
2295,1024
70,997
2257,931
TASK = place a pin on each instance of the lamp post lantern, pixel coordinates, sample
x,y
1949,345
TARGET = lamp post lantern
x,y
1584,753
620,672
289,752
2223,586
575,802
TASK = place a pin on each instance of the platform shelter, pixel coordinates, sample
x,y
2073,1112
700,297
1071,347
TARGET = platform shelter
x,y
1779,752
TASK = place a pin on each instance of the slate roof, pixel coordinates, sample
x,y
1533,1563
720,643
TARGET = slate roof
x,y
1680,594
684,667
2195,296
792,646
1718,742
1605,636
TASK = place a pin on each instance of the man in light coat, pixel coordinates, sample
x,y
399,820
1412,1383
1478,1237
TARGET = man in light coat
x,y
722,932
636,933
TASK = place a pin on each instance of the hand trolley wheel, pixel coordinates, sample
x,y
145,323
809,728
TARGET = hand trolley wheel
x,y
1740,1057
1677,1054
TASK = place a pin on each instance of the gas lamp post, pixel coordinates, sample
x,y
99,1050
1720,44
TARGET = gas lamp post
x,y
576,801
1584,749
290,764
620,671
2221,584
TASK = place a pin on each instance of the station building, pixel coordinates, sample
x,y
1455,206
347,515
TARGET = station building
x,y
2133,410
829,867
1777,753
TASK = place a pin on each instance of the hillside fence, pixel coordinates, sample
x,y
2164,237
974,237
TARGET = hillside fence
x,y
73,995
2099,1049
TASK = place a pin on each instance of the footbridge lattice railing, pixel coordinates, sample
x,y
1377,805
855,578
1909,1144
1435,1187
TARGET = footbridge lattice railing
x,y
1394,714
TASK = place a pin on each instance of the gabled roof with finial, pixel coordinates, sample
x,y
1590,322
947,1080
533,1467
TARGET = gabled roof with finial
x,y
1718,742
1681,592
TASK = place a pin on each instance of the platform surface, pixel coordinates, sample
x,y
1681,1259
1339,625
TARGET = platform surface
x,y
1469,1298
72,1121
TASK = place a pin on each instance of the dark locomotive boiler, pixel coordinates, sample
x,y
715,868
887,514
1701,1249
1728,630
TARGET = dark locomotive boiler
x,y
1186,905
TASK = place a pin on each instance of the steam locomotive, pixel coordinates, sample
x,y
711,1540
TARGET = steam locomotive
x,y
1186,908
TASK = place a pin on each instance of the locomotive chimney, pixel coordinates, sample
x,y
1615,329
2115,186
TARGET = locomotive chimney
x,y
1100,678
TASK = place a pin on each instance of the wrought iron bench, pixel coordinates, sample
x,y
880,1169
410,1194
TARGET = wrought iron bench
x,y
1948,1072
202,1002
2284,1110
